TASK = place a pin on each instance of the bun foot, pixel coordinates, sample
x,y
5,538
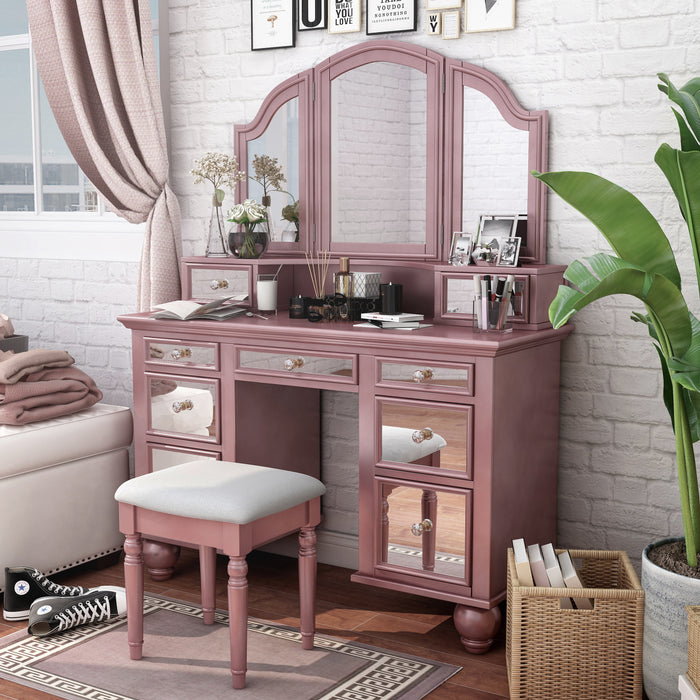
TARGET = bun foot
x,y
160,559
477,627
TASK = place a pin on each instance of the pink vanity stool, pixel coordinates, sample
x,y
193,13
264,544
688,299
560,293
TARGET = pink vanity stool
x,y
220,505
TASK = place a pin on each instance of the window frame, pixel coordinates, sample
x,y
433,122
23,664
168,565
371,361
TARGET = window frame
x,y
100,235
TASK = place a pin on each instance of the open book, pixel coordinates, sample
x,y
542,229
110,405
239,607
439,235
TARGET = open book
x,y
217,310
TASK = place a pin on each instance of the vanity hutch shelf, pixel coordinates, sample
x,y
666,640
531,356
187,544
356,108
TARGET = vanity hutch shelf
x,y
457,429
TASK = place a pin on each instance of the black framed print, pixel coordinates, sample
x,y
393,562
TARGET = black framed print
x,y
311,14
386,16
271,24
344,16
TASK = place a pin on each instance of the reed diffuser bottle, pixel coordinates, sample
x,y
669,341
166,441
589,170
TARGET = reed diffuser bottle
x,y
343,278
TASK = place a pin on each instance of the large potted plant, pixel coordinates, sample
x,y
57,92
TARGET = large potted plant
x,y
644,266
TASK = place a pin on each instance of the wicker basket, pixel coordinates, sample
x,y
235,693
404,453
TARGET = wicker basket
x,y
554,653
694,645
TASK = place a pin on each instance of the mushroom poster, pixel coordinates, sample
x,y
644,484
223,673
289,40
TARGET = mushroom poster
x,y
272,24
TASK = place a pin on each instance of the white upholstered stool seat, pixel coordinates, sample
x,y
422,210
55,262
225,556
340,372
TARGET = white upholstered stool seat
x,y
227,506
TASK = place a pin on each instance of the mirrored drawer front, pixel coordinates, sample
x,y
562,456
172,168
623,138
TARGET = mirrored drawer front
x,y
162,457
341,368
425,529
423,435
184,407
212,283
429,375
183,353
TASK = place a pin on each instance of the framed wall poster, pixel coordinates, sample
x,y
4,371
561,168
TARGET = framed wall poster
x,y
344,16
386,16
311,14
451,24
433,24
489,15
435,5
271,24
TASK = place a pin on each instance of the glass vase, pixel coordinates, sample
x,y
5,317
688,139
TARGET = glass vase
x,y
216,243
249,241
269,224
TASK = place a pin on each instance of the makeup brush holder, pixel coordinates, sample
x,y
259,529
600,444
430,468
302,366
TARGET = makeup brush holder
x,y
491,316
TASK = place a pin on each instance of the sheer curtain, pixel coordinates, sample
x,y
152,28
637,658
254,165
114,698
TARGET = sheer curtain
x,y
97,62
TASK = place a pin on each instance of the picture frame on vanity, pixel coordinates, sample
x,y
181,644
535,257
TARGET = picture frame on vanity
x,y
508,251
489,15
272,24
388,16
344,16
461,249
311,14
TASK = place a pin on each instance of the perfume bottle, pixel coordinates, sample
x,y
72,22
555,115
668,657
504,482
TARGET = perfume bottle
x,y
342,279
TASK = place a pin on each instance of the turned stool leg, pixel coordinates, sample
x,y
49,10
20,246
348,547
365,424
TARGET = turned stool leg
x,y
133,583
238,618
307,585
207,582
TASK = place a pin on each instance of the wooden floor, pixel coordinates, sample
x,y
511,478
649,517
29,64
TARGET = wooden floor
x,y
395,621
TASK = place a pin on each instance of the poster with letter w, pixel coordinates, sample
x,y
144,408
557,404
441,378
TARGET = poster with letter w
x,y
344,16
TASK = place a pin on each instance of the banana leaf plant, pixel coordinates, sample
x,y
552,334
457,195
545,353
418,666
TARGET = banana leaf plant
x,y
644,266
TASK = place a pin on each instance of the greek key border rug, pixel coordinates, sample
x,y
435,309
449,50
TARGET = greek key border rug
x,y
184,659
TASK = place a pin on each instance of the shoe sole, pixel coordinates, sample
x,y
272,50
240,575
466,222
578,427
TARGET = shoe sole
x,y
15,615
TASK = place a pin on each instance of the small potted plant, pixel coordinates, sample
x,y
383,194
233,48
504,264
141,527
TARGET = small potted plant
x,y
644,266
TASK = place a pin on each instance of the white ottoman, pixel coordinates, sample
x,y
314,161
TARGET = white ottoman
x,y
57,484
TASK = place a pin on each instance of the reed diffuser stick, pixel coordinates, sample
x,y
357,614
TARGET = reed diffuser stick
x,y
318,270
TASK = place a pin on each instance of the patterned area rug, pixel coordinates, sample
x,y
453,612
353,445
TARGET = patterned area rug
x,y
185,659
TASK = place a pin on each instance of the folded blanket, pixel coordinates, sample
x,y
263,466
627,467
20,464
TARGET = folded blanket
x,y
46,394
14,367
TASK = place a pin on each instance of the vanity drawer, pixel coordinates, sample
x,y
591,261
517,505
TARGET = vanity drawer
x,y
169,352
424,531
437,377
330,367
183,407
208,282
164,456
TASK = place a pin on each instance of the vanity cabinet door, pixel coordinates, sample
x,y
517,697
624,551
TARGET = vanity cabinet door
x,y
425,436
183,406
424,530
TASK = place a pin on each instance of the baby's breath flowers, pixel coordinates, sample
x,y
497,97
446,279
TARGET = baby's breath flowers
x,y
220,169
269,175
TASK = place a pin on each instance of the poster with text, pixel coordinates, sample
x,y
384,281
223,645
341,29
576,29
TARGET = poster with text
x,y
311,14
271,24
344,16
385,16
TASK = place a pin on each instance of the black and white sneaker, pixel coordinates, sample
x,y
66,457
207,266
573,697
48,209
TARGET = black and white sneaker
x,y
24,584
52,615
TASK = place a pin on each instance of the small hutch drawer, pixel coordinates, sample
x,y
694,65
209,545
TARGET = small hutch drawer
x,y
422,376
331,367
162,352
164,456
209,282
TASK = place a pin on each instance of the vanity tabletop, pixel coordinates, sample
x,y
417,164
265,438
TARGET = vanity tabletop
x,y
344,336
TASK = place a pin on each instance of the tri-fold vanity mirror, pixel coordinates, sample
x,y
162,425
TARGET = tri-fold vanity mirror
x,y
390,148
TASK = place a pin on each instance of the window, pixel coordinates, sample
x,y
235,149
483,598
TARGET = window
x,y
41,187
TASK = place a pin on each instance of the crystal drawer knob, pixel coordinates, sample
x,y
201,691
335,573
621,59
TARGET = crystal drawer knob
x,y
421,528
179,353
420,435
422,375
218,284
292,363
186,405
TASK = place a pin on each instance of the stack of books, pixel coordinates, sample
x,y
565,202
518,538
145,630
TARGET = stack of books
x,y
541,566
404,320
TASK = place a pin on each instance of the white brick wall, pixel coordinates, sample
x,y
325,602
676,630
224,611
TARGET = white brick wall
x,y
592,64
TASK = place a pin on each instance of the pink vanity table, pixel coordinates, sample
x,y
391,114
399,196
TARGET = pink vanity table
x,y
434,522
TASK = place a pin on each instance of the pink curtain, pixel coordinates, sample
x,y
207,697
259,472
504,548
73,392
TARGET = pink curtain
x,y
97,62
